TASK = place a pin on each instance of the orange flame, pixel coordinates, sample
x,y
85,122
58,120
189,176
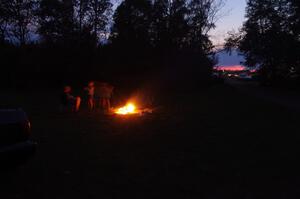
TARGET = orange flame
x,y
126,110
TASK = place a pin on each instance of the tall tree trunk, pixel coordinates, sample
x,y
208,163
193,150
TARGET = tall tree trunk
x,y
80,15
96,17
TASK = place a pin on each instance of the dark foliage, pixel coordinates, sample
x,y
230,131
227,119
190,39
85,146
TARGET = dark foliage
x,y
165,37
53,42
17,20
270,39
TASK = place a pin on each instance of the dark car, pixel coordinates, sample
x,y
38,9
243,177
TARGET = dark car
x,y
16,144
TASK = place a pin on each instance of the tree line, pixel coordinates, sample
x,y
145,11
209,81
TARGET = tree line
x,y
75,40
53,21
270,40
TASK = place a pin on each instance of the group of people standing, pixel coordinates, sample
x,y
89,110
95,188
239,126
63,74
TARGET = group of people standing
x,y
96,95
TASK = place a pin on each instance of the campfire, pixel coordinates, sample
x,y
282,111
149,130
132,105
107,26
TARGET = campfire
x,y
131,109
128,109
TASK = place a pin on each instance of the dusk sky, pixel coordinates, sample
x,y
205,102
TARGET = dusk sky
x,y
234,12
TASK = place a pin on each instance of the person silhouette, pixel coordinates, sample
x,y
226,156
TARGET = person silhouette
x,y
69,101
105,94
90,95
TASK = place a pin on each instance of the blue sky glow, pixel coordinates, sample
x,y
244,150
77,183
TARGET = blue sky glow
x,y
233,16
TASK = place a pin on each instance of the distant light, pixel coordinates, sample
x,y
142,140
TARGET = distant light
x,y
230,68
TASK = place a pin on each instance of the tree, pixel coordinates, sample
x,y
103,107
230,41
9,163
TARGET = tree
x,y
3,19
169,24
132,24
178,24
81,9
294,19
203,15
185,24
56,22
160,24
267,38
166,34
99,13
233,40
80,20
294,27
18,19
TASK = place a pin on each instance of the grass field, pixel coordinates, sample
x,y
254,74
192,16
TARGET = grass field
x,y
213,143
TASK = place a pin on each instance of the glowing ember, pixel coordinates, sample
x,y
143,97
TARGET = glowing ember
x,y
126,110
